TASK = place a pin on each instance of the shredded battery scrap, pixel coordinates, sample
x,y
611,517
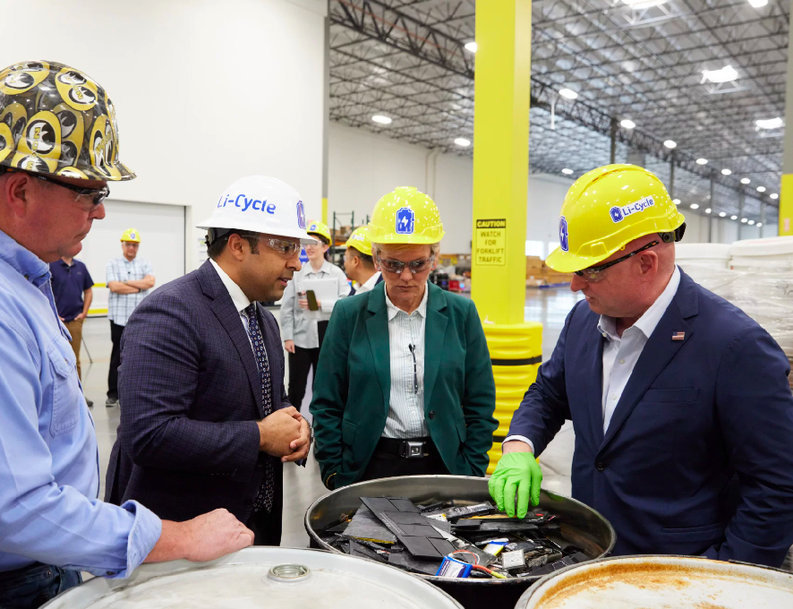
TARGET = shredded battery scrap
x,y
449,540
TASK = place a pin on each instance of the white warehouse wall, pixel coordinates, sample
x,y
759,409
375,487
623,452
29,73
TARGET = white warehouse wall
x,y
205,92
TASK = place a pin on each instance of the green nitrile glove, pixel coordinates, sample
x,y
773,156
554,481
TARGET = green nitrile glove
x,y
518,473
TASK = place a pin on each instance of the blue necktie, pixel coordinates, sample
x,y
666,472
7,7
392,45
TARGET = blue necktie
x,y
264,496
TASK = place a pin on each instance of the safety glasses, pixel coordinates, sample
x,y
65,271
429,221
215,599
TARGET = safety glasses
x,y
397,266
594,273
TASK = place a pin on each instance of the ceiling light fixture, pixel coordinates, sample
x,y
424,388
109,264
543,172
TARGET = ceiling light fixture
x,y
761,189
708,210
726,172
774,196
470,46
568,93
694,206
627,123
744,220
722,214
567,171
758,3
382,119
701,161
640,4
750,222
676,201
462,142
722,75
769,123
733,217
671,144
745,181
759,224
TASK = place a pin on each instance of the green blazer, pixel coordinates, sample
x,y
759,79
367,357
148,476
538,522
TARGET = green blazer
x,y
353,384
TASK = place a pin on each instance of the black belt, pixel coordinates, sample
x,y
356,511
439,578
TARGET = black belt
x,y
412,448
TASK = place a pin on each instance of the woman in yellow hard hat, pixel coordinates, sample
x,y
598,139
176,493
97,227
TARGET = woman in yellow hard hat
x,y
404,383
306,307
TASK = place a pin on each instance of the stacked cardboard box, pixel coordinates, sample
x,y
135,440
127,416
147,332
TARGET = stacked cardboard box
x,y
539,274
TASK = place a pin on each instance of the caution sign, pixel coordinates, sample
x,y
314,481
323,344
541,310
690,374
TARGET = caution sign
x,y
491,242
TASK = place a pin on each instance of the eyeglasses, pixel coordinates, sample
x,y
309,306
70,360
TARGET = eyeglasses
x,y
593,273
287,249
97,195
397,266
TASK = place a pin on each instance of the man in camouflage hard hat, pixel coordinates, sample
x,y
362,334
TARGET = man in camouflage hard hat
x,y
680,402
58,151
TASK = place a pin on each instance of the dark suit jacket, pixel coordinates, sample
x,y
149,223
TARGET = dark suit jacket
x,y
190,397
353,384
697,458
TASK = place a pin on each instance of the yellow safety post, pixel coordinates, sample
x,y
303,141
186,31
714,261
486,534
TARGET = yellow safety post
x,y
500,185
786,205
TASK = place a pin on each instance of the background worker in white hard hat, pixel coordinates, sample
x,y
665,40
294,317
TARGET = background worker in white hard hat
x,y
205,419
680,402
358,262
302,325
129,279
404,383
53,183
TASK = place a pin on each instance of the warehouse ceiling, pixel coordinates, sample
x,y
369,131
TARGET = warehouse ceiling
x,y
406,59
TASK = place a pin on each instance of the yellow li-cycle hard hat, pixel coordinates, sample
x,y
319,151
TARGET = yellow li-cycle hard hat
x,y
406,215
359,239
315,227
131,235
607,208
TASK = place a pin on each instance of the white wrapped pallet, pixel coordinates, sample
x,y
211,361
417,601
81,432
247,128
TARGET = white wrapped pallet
x,y
708,265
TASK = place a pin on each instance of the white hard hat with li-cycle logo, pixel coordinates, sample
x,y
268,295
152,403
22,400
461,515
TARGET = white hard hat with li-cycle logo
x,y
260,204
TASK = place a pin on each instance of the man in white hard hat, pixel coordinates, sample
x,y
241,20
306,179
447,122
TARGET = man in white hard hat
x,y
52,526
205,418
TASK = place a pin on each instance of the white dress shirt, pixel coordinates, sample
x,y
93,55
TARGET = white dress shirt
x,y
406,401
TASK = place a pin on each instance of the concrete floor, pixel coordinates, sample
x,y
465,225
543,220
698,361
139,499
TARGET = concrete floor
x,y
302,486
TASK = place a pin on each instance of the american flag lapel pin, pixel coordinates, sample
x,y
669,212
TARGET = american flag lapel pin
x,y
679,336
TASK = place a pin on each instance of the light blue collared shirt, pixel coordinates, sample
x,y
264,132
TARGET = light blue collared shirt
x,y
49,462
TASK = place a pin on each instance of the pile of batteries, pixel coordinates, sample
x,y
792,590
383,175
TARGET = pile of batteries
x,y
451,540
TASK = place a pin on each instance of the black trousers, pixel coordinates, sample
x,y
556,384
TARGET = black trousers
x,y
300,362
386,462
115,360
266,526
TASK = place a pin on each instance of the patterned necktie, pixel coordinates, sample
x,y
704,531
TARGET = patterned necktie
x,y
264,496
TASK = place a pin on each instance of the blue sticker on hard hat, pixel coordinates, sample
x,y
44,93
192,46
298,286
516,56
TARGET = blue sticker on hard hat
x,y
133,235
563,234
303,257
405,221
301,215
618,214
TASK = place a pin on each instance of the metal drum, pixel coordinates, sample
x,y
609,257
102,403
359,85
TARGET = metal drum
x,y
661,582
581,526
260,577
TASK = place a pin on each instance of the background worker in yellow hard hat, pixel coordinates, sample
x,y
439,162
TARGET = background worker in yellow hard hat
x,y
680,402
358,262
404,383
55,166
129,279
306,307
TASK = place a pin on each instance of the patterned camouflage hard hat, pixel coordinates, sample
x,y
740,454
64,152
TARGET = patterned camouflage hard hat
x,y
57,120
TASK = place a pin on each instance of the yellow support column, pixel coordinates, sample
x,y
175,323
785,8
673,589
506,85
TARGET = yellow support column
x,y
501,172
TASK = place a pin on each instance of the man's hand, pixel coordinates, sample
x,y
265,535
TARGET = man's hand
x,y
278,430
79,317
517,473
202,538
289,345
301,446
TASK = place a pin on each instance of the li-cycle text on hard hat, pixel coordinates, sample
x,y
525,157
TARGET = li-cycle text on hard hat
x,y
245,203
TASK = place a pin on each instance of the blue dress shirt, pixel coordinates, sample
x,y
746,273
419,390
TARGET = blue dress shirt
x,y
49,463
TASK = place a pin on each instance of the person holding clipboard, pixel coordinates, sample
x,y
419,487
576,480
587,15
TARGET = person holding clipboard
x,y
306,307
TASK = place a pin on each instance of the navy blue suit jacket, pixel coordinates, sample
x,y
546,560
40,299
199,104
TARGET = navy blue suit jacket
x,y
190,398
697,458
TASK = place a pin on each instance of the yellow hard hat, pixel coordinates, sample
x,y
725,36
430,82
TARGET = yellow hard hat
x,y
319,228
359,239
406,215
58,120
131,235
607,208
